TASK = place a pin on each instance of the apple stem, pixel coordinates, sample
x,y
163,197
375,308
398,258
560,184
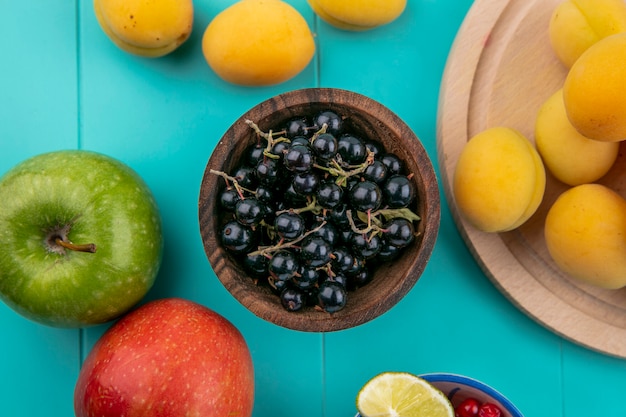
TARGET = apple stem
x,y
88,247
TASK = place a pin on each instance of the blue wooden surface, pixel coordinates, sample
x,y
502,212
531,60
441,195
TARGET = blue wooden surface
x,y
65,85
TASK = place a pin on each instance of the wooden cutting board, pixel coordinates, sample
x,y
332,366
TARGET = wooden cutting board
x,y
500,71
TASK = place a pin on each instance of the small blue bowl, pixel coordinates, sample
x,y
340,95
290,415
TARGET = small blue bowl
x,y
458,388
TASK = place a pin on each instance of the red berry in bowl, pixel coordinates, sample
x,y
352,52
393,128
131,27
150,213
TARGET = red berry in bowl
x,y
489,410
467,408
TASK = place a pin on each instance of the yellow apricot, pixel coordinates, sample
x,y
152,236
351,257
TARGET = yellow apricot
x,y
575,25
585,232
499,180
594,91
358,15
150,28
571,157
258,42
334,21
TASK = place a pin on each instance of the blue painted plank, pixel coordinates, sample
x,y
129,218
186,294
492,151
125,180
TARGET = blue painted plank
x,y
38,109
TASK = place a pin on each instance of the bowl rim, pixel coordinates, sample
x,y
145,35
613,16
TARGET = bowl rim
x,y
474,383
322,97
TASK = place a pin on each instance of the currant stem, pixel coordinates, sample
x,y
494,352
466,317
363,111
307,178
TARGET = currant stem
x,y
311,206
280,245
269,137
87,247
321,131
370,227
258,131
343,172
227,177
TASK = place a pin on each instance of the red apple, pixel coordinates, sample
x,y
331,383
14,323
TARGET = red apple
x,y
168,358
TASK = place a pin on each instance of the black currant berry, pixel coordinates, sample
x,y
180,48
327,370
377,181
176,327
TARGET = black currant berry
x,y
283,265
292,299
279,148
305,183
229,198
246,177
256,265
298,126
365,195
325,146
365,246
264,194
267,171
333,121
329,194
351,149
375,148
398,191
326,231
399,232
237,238
339,278
289,225
358,265
358,280
331,296
255,153
388,252
376,172
298,158
277,285
249,211
306,278
315,251
338,215
301,140
392,162
342,259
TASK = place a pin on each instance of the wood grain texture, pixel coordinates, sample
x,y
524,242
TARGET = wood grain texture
x,y
369,119
500,71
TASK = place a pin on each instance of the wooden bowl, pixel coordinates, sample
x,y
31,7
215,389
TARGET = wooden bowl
x,y
392,280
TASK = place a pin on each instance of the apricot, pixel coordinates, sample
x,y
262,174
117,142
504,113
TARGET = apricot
x,y
594,91
575,25
585,232
499,180
358,15
150,28
571,157
258,42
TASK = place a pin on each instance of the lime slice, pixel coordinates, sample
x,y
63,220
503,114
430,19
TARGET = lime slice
x,y
400,394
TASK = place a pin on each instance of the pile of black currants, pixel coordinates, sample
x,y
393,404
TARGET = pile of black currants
x,y
312,208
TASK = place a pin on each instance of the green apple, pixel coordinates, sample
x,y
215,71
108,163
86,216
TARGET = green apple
x,y
81,238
